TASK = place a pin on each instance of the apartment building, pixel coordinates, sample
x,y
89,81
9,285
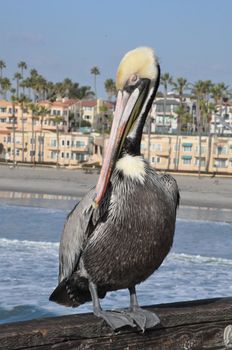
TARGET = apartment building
x,y
221,122
183,153
95,111
47,147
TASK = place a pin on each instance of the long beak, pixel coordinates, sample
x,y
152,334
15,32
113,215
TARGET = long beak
x,y
128,108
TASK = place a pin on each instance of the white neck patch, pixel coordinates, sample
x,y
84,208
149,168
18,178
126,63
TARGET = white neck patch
x,y
132,167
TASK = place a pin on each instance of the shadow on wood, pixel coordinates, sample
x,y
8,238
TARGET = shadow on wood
x,y
191,325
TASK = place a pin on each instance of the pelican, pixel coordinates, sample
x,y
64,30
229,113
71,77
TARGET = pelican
x,y
122,230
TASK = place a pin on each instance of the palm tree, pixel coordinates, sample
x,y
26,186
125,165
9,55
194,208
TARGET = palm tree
x,y
95,71
201,93
110,88
5,86
34,112
67,86
13,100
22,65
166,80
23,102
179,86
57,120
2,65
198,93
219,92
17,77
43,111
32,81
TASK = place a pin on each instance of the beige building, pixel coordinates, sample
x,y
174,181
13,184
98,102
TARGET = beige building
x,y
31,138
65,149
182,153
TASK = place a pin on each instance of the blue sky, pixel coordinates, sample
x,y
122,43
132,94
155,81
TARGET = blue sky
x,y
62,39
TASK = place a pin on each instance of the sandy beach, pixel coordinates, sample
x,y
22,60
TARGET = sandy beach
x,y
205,192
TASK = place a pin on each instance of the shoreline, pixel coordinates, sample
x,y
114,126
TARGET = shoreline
x,y
61,184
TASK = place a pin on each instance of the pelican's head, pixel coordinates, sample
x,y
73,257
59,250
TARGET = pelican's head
x,y
137,82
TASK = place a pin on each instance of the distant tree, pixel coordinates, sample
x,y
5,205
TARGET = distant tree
x,y
34,108
95,71
23,101
13,101
17,77
5,86
110,88
2,65
42,112
22,65
165,80
179,86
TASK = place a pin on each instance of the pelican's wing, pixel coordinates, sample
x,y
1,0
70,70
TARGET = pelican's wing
x,y
171,185
77,227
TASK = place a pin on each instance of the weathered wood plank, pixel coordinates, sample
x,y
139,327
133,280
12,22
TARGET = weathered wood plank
x,y
197,325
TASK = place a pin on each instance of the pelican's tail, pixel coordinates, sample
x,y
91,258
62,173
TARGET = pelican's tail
x,y
73,292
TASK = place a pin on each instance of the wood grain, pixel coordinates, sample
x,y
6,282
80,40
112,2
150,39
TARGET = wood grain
x,y
197,325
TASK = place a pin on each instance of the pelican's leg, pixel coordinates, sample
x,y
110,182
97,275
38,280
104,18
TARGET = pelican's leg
x,y
143,318
114,319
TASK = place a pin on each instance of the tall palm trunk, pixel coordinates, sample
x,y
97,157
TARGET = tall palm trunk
x,y
169,152
14,127
209,152
165,106
199,135
57,145
40,139
32,140
23,141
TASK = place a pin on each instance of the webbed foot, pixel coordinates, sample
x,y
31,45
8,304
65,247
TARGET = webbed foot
x,y
115,319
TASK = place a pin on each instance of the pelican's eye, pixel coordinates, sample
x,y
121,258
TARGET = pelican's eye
x,y
132,83
133,79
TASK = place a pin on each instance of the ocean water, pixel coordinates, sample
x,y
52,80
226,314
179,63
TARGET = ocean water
x,y
198,266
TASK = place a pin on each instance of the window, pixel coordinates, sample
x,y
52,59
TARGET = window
x,y
53,142
53,154
80,144
230,162
221,150
62,154
155,160
186,161
202,161
68,143
187,148
67,155
17,152
220,163
62,143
